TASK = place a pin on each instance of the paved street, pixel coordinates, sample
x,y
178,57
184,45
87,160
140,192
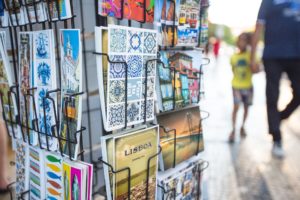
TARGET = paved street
x,y
246,170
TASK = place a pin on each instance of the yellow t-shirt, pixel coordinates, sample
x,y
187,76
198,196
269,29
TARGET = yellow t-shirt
x,y
242,74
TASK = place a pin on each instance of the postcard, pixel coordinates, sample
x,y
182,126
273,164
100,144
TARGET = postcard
x,y
53,175
164,87
183,89
132,10
204,28
77,178
111,8
135,48
36,173
16,13
44,79
166,21
60,11
71,85
25,73
135,10
22,167
178,22
34,13
135,150
131,149
111,76
189,141
6,81
184,183
89,179
4,19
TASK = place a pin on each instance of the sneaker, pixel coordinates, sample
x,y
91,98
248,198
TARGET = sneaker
x,y
243,132
277,150
231,137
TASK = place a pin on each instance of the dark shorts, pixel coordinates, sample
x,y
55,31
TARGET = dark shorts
x,y
244,96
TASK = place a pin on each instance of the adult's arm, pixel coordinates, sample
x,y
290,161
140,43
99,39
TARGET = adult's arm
x,y
256,36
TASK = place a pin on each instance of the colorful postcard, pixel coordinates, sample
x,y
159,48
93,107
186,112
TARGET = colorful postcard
x,y
53,176
132,10
44,79
36,174
136,47
6,81
62,10
165,90
22,167
25,81
204,28
166,21
89,179
135,10
66,180
111,8
189,141
77,178
71,84
131,150
184,183
178,22
189,22
186,83
183,65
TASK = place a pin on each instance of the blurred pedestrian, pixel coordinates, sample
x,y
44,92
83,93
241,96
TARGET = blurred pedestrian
x,y
241,82
216,48
280,21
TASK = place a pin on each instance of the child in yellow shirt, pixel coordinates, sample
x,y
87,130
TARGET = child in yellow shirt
x,y
241,82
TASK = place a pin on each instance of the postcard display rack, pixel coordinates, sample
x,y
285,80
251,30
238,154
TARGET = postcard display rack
x,y
46,131
43,115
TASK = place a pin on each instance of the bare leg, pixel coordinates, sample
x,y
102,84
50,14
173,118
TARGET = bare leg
x,y
234,114
246,108
3,156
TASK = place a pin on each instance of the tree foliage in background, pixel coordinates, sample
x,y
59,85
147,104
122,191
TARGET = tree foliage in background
x,y
228,37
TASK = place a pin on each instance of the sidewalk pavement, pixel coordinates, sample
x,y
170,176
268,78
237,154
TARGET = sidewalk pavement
x,y
246,170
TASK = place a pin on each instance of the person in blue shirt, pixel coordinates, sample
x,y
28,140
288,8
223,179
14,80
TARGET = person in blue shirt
x,y
280,22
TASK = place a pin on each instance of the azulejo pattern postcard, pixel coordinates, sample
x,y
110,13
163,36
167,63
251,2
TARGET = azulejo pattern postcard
x,y
137,47
71,84
44,79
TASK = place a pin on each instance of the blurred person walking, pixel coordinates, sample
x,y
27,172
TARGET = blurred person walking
x,y
241,82
216,48
280,22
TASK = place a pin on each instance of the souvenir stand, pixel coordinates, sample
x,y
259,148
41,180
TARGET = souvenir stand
x,y
56,144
